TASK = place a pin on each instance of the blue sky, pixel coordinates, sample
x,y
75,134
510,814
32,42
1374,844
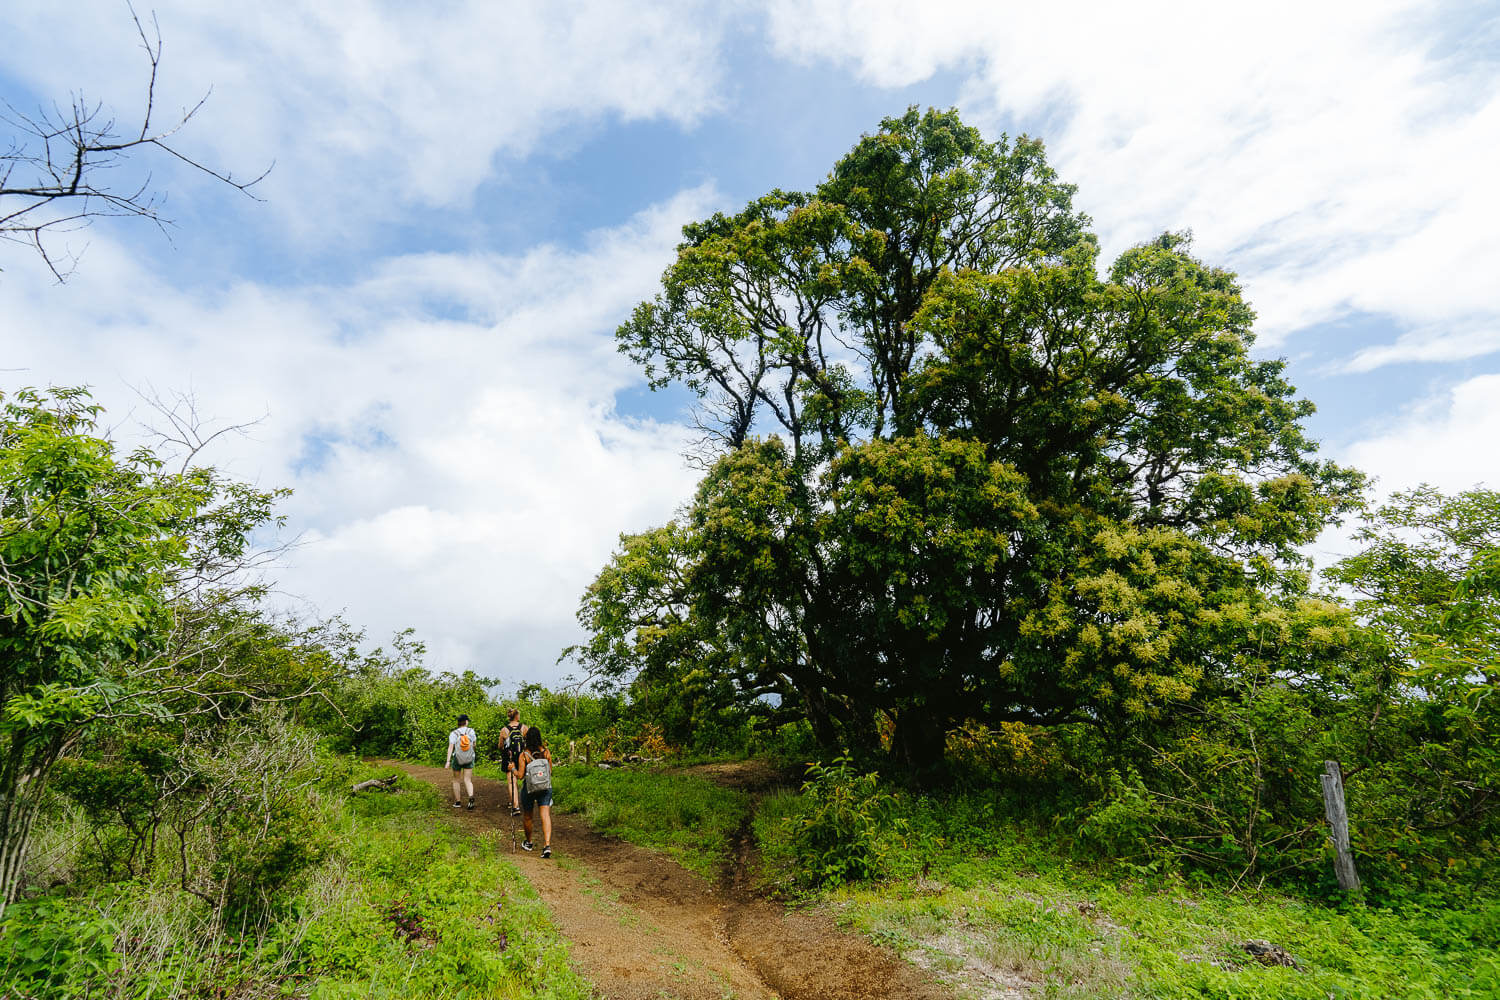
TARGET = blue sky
x,y
469,197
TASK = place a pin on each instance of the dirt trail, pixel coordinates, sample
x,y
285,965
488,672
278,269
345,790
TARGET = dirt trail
x,y
644,927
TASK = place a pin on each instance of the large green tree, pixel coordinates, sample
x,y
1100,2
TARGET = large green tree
x,y
118,596
1000,485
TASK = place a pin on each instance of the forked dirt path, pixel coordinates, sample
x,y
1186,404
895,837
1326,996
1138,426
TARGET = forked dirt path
x,y
644,927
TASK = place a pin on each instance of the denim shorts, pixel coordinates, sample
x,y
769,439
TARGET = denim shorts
x,y
529,799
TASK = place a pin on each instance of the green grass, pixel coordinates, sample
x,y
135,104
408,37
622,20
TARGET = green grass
x,y
969,888
408,905
689,817
1071,935
473,927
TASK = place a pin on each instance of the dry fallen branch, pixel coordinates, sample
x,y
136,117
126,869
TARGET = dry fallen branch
x,y
384,784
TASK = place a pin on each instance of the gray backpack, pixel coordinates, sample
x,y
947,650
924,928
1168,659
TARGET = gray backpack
x,y
463,747
538,775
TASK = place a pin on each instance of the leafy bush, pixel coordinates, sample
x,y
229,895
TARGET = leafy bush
x,y
391,705
837,835
263,857
1010,753
789,745
1120,824
127,783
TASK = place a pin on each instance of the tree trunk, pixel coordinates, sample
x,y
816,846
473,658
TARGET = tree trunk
x,y
919,743
815,703
22,778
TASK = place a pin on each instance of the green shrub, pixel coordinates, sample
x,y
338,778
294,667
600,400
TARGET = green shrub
x,y
262,859
837,836
790,745
1121,824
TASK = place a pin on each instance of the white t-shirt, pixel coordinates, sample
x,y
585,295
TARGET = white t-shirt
x,y
453,742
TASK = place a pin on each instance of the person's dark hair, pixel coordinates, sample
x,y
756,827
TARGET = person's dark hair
x,y
463,720
534,740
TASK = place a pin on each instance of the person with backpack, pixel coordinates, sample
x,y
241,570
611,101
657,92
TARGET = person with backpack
x,y
463,745
535,767
512,742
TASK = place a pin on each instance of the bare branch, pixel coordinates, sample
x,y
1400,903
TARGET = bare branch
x,y
54,169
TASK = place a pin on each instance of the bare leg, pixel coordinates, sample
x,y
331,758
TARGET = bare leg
x,y
546,825
455,786
526,822
468,781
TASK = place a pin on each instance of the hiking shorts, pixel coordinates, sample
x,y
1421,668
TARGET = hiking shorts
x,y
457,767
529,799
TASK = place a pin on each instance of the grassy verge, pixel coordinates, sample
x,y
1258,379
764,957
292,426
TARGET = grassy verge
x,y
407,905
985,899
1065,936
689,817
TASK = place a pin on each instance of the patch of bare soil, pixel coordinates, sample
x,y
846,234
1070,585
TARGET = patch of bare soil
x,y
643,927
753,776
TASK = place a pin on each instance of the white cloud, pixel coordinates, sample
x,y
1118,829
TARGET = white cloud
x,y
368,107
1447,440
1323,150
1453,342
448,423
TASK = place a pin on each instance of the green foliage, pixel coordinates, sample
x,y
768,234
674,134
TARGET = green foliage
x,y
54,947
1033,495
404,905
1419,712
836,836
643,638
1120,823
389,704
125,781
790,746
222,804
115,572
260,859
566,716
1395,692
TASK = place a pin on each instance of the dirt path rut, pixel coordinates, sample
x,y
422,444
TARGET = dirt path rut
x,y
644,927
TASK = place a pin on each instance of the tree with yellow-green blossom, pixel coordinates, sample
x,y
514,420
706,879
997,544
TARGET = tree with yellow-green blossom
x,y
954,472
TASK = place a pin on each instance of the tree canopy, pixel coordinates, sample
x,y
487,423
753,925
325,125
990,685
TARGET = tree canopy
x,y
953,470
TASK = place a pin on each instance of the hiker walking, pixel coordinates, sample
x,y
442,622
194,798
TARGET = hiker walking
x,y
512,736
535,767
462,745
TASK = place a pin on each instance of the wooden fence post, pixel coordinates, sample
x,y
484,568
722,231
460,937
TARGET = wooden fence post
x,y
1338,819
